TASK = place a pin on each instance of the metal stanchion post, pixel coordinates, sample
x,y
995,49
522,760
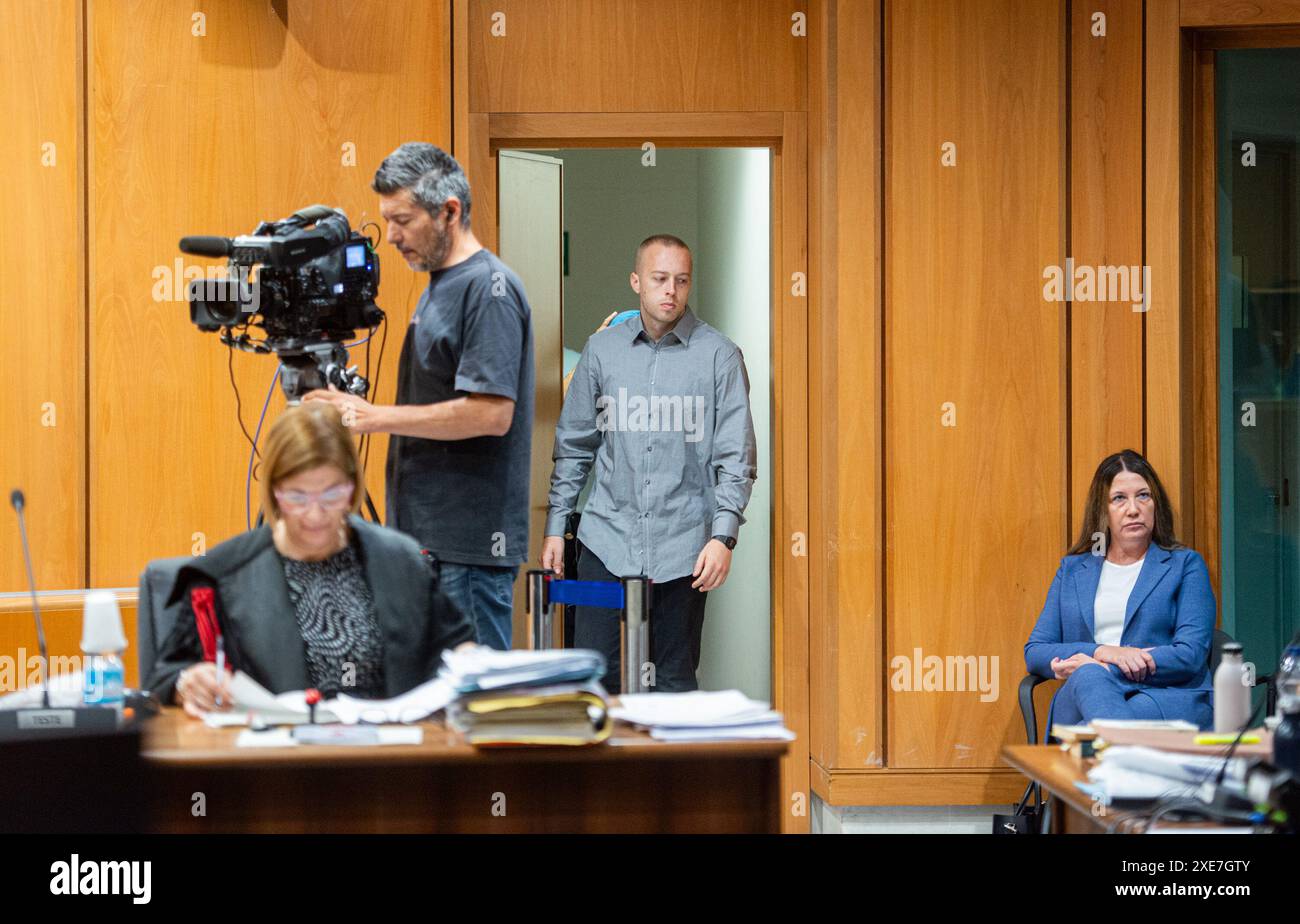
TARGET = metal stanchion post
x,y
636,633
540,626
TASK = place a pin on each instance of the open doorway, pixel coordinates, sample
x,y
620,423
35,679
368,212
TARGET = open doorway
x,y
718,200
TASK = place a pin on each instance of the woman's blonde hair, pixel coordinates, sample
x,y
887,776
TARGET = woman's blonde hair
x,y
306,437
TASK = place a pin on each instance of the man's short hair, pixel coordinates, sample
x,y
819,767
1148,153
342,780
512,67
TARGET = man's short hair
x,y
431,174
665,240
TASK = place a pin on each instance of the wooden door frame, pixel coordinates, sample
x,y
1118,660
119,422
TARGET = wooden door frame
x,y
785,134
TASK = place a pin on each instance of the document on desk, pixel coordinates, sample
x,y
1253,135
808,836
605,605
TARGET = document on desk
x,y
1106,783
251,698
412,706
696,709
715,715
767,731
481,668
1184,768
1100,725
332,736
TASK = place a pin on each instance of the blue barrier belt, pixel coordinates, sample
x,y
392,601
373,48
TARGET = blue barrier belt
x,y
605,594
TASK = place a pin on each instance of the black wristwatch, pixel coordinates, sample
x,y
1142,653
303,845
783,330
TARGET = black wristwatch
x,y
728,541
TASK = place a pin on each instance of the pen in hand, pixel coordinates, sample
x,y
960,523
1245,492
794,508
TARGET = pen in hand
x,y
221,666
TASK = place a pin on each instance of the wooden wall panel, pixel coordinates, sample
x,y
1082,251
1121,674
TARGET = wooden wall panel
x,y
974,513
42,294
1168,408
1204,316
846,675
209,134
61,616
790,401
636,56
1106,382
1211,13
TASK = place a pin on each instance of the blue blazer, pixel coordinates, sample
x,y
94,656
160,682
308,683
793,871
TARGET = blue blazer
x,y
1170,610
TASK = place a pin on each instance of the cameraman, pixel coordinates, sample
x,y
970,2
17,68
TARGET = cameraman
x,y
458,461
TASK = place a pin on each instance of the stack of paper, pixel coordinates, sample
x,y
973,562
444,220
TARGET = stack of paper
x,y
724,715
526,697
561,714
479,668
1128,772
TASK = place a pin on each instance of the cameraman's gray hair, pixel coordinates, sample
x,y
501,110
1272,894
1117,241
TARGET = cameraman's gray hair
x,y
430,173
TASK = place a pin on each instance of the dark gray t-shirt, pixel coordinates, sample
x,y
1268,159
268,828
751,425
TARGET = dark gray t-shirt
x,y
466,500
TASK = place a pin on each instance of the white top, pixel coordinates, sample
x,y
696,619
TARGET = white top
x,y
1112,597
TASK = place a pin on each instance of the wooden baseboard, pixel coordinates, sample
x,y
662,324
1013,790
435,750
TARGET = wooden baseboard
x,y
976,786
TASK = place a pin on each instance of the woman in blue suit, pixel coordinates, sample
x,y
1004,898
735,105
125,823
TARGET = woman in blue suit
x,y
1129,617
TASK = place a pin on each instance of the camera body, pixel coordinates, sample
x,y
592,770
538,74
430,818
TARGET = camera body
x,y
308,281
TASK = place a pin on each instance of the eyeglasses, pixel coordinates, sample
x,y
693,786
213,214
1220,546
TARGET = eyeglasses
x,y
335,498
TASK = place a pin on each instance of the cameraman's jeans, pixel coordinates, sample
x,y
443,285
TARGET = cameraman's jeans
x,y
485,595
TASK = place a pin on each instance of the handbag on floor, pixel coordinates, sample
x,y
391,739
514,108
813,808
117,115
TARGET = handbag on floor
x,y
1027,817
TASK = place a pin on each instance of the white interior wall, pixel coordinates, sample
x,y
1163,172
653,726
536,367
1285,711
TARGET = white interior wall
x,y
733,291
611,204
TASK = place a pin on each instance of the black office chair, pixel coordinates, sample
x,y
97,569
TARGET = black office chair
x,y
1028,714
154,620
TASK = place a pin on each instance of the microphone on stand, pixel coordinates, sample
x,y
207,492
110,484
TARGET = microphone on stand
x,y
18,501
48,719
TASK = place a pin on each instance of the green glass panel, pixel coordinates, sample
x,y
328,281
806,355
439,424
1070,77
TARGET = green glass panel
x,y
1257,135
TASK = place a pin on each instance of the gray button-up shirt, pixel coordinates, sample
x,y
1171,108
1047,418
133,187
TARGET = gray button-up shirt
x,y
669,429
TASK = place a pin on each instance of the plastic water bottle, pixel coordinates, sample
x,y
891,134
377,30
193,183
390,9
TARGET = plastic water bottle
x,y
105,679
1231,695
1286,737
102,642
1288,676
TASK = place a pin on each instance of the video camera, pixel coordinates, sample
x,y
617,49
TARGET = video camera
x,y
315,286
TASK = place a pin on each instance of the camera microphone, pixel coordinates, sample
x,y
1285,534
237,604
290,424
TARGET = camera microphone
x,y
202,245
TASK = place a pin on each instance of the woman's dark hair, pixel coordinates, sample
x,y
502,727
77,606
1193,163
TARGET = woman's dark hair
x,y
1096,519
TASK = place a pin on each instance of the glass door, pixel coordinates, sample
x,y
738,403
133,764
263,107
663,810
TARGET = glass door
x,y
1257,122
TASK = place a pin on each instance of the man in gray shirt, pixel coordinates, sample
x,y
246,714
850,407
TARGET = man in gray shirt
x,y
660,405
459,456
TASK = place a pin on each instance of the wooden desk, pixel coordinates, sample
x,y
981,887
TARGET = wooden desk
x,y
630,784
1072,810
